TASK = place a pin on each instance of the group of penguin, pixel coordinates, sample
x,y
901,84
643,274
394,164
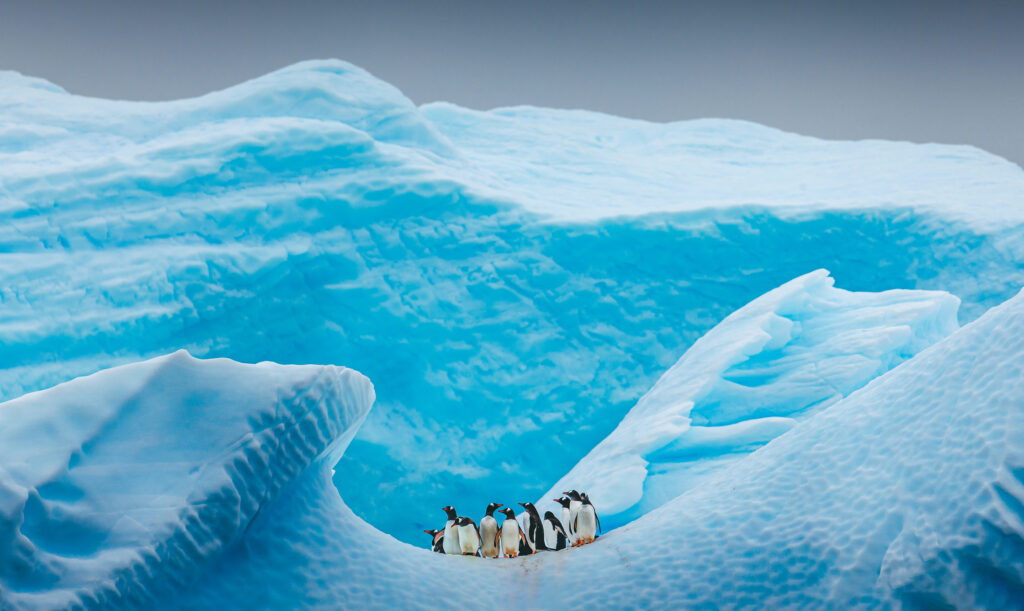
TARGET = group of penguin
x,y
461,536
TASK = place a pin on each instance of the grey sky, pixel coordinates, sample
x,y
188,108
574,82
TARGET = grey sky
x,y
923,71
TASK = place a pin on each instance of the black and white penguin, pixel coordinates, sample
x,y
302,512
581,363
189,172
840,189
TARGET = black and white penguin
x,y
574,508
438,540
451,532
561,539
489,546
535,531
469,536
566,517
587,522
511,536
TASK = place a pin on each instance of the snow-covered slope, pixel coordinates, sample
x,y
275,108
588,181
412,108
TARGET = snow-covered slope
x,y
516,279
776,361
118,488
907,492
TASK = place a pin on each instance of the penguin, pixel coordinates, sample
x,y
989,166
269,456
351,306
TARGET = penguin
x,y
469,536
574,508
560,537
451,532
587,521
566,517
524,524
489,546
535,531
511,535
438,540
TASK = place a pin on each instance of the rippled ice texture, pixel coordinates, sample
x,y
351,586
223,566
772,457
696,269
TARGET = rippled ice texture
x,y
206,484
513,281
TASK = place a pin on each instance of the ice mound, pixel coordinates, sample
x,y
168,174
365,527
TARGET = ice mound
x,y
120,487
778,360
517,278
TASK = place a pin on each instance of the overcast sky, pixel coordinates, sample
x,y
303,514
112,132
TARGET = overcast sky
x,y
928,71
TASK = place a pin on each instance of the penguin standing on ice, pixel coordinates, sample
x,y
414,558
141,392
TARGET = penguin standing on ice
x,y
574,508
535,531
438,543
587,522
451,532
561,538
511,535
489,546
566,517
469,536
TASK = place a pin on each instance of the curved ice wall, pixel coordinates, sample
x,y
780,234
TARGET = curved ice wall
x,y
180,483
480,265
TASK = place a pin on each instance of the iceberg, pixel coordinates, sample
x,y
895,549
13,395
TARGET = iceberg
x,y
907,492
513,280
778,360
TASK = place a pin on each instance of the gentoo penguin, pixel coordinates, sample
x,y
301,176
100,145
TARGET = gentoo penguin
x,y
566,518
489,533
560,537
451,532
587,521
574,508
535,532
469,536
438,543
511,535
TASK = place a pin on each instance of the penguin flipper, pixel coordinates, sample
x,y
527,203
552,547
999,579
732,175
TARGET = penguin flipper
x,y
599,529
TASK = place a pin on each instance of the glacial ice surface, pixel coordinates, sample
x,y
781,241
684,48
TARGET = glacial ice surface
x,y
774,362
907,492
511,279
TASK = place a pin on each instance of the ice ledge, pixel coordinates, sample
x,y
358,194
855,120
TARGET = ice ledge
x,y
774,362
117,487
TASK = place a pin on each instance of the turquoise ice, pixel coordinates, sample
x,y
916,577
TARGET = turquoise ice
x,y
513,282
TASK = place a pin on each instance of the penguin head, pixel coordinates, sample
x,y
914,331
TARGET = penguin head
x,y
530,509
450,511
432,532
492,507
585,498
549,516
563,501
572,494
508,513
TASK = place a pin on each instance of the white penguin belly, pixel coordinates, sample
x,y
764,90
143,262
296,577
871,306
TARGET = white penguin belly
x,y
451,538
524,518
586,522
510,538
469,540
567,523
488,537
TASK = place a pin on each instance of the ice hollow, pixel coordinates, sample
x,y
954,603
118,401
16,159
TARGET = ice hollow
x,y
180,483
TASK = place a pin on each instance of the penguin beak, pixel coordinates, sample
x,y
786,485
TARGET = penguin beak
x,y
523,504
557,500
